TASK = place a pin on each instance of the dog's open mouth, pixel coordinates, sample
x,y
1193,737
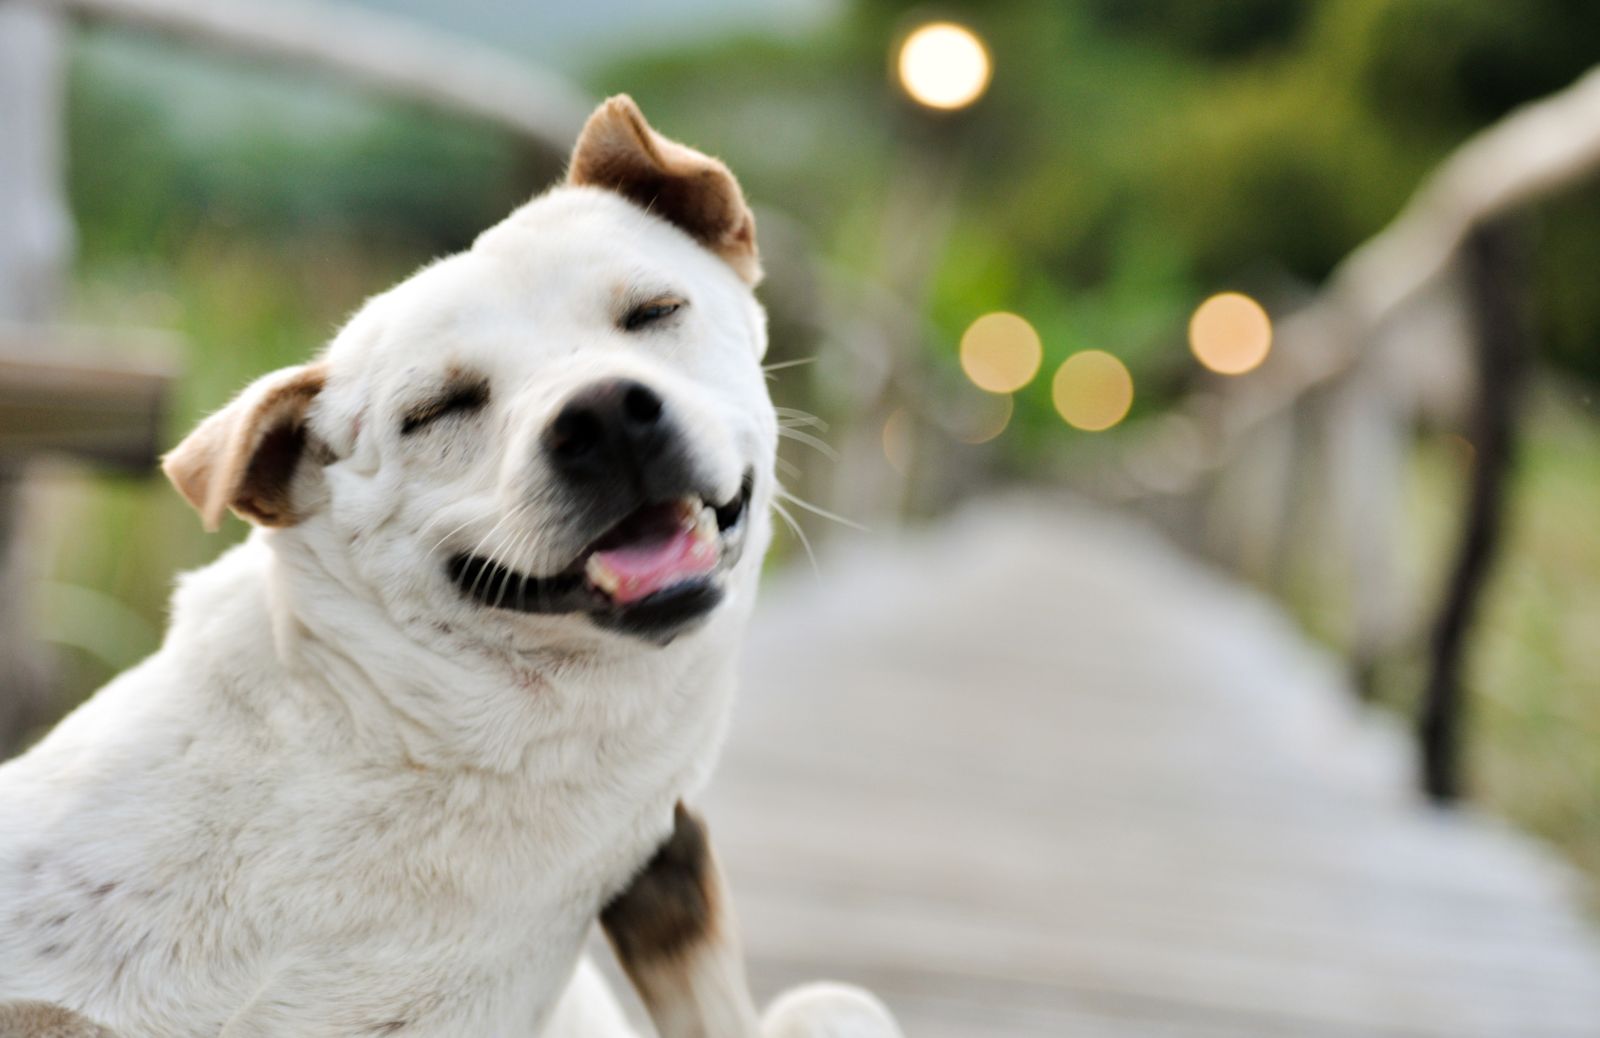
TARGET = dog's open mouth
x,y
654,548
650,574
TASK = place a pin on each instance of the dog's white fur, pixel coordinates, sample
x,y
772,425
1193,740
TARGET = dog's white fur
x,y
342,798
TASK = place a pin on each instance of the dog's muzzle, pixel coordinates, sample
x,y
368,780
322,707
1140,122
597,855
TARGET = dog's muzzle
x,y
657,566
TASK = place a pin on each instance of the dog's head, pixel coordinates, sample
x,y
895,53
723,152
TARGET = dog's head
x,y
564,428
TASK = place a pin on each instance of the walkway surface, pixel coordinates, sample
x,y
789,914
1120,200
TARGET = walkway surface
x,y
1034,773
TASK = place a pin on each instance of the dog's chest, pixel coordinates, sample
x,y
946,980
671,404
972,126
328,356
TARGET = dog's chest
x,y
485,886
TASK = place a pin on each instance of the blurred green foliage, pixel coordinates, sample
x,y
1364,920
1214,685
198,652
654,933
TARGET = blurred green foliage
x,y
1132,157
143,183
1129,158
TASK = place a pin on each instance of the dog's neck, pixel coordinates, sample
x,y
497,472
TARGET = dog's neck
x,y
427,696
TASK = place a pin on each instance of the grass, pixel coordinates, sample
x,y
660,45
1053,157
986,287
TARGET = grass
x,y
1535,665
110,546
1533,669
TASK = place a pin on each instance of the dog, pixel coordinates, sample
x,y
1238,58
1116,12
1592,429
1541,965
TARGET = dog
x,y
402,746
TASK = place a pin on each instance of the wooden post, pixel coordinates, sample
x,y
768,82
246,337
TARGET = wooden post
x,y
1493,290
35,247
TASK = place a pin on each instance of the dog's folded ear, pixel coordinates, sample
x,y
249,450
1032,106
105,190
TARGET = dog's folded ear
x,y
244,457
618,150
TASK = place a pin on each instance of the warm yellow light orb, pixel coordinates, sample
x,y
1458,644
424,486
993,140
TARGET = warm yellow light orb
x,y
1001,352
944,65
1092,390
1230,333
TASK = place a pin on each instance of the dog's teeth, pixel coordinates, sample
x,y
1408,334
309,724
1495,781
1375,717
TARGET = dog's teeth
x,y
706,530
601,575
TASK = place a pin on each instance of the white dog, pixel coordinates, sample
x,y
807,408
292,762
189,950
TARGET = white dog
x,y
401,747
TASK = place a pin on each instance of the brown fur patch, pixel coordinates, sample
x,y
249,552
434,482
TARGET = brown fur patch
x,y
45,1020
671,907
618,150
263,495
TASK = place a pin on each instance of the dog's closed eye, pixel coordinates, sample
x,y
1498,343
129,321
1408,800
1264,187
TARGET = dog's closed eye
x,y
460,398
650,312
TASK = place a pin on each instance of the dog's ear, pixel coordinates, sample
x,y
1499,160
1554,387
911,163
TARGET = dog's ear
x,y
619,151
244,457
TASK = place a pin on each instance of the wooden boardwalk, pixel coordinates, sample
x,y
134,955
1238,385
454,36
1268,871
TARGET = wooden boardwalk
x,y
1033,773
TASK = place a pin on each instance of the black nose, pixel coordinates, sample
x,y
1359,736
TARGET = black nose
x,y
614,430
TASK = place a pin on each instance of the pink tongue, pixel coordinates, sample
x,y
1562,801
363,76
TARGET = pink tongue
x,y
644,570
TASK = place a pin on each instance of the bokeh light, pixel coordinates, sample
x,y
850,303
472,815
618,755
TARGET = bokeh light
x,y
944,65
985,418
1001,352
1230,333
1092,390
899,440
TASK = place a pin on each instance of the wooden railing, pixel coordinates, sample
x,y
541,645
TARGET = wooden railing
x,y
1343,382
393,57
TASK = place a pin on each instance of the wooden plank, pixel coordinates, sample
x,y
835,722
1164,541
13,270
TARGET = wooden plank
x,y
1033,773
110,413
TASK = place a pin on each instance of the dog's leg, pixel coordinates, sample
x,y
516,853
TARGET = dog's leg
x,y
46,1020
674,933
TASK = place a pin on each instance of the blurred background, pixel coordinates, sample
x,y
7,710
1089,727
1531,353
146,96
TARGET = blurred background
x,y
1287,281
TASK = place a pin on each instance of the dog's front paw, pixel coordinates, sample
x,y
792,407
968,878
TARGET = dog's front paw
x,y
828,1010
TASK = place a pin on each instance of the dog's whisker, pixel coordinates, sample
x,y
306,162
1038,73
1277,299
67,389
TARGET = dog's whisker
x,y
800,534
512,572
483,540
478,552
498,572
481,549
785,364
806,438
787,467
818,510
793,416
455,530
505,575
